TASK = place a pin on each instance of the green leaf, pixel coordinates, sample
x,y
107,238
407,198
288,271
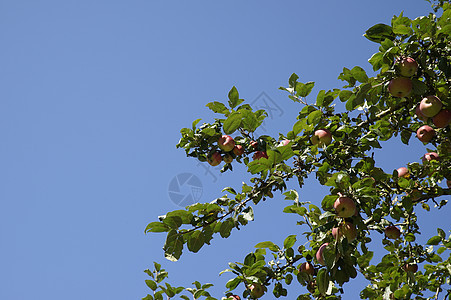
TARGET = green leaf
x,y
314,117
173,221
289,241
418,87
226,228
174,245
233,283
232,123
376,61
359,74
250,121
435,240
304,89
292,81
322,280
345,95
218,107
157,227
269,245
379,33
151,284
441,233
195,241
234,100
402,30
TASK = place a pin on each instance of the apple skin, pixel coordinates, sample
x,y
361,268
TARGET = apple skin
x,y
284,142
227,158
420,115
319,254
410,268
392,232
400,87
238,150
345,207
234,297
214,159
425,133
321,137
407,66
257,290
403,172
430,156
226,143
347,229
307,268
254,144
259,154
442,119
430,106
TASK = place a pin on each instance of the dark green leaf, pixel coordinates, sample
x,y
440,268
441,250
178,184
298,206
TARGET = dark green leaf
x,y
195,241
435,240
289,241
232,123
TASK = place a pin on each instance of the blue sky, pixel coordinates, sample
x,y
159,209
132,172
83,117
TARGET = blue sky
x,y
94,94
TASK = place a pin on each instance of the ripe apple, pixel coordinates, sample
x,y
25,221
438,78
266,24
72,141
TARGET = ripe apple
x,y
403,172
410,268
284,142
257,290
238,150
234,297
347,229
254,144
407,66
430,106
430,156
392,232
425,133
214,159
259,154
321,137
400,87
227,158
344,207
307,268
420,115
319,254
226,143
442,119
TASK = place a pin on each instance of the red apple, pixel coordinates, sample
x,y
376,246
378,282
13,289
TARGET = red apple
x,y
259,154
420,115
284,143
403,172
214,159
319,254
347,229
226,143
425,133
257,290
410,268
400,87
227,158
321,137
430,156
392,232
430,106
238,150
307,267
344,207
234,297
442,119
254,144
407,66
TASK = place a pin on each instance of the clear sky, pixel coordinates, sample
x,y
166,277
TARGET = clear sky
x,y
93,96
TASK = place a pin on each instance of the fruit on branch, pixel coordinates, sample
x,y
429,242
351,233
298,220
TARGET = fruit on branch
x,y
227,158
407,66
284,142
420,115
226,143
425,133
410,268
234,297
430,106
392,232
214,159
257,290
442,119
254,144
238,150
347,230
430,156
307,268
345,207
259,154
322,137
320,254
403,172
400,87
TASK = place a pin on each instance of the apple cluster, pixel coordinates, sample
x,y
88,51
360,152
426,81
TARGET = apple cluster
x,y
229,148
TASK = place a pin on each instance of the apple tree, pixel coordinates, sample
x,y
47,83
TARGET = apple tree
x,y
408,98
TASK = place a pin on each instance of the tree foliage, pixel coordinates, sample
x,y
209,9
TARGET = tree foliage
x,y
384,199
